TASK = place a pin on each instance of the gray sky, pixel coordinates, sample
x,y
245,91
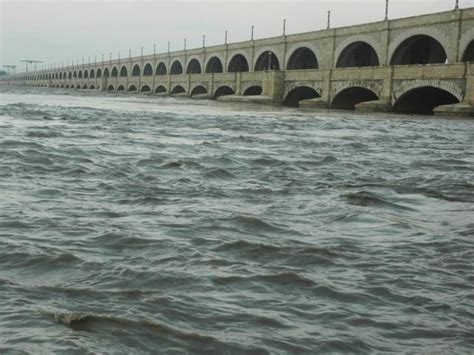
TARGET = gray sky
x,y
56,31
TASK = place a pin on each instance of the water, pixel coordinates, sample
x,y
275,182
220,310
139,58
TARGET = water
x,y
131,224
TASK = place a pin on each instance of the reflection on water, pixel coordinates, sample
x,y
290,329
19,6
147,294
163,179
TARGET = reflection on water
x,y
130,224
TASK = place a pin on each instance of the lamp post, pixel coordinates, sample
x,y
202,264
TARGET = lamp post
x,y
386,10
284,27
329,20
251,33
456,7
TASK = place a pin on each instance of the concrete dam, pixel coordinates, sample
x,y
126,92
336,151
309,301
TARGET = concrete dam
x,y
422,64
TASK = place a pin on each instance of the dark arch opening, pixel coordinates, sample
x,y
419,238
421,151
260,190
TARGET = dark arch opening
x,y
160,89
469,53
136,70
303,58
80,74
74,74
121,88
214,65
420,49
238,64
110,88
60,76
99,73
67,86
298,94
161,69
199,90
92,75
223,91
358,54
148,70
123,71
176,68
84,87
423,100
132,88
77,86
194,67
86,74
348,98
145,88
178,90
253,90
91,87
267,61
114,72
106,73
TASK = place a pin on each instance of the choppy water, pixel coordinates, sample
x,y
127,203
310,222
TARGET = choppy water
x,y
140,225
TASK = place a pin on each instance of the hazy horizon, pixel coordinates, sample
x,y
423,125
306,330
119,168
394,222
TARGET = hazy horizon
x,y
56,32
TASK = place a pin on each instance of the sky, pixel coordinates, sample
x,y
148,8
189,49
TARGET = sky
x,y
58,31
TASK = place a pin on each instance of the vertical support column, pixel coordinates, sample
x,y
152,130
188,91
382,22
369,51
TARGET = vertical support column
x,y
469,98
274,85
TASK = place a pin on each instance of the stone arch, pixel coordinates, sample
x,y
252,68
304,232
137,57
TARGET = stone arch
x,y
160,89
199,90
161,69
85,86
193,67
86,74
123,71
106,72
132,88
121,88
99,73
435,51
110,88
77,86
264,58
358,54
136,70
454,87
223,91
302,58
369,40
214,65
238,63
423,100
468,54
79,74
348,98
147,70
299,93
176,68
178,89
92,74
253,90
145,88
92,87
114,72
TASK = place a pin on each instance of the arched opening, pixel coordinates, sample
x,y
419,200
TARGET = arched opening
x,y
114,72
145,88
86,74
67,86
160,89
110,88
60,75
423,100
123,71
420,49
84,87
199,90
121,88
74,75
194,67
348,98
132,88
92,75
223,91
469,53
62,86
267,61
148,70
106,73
298,94
176,68
177,90
303,58
161,69
99,73
77,86
253,90
92,87
214,65
238,64
80,74
358,54
136,70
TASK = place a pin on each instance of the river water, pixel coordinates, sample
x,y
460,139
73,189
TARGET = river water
x,y
133,224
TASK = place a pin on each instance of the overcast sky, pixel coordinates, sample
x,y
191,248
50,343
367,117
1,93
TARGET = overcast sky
x,y
56,31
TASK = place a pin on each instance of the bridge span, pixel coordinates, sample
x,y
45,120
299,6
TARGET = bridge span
x,y
420,64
